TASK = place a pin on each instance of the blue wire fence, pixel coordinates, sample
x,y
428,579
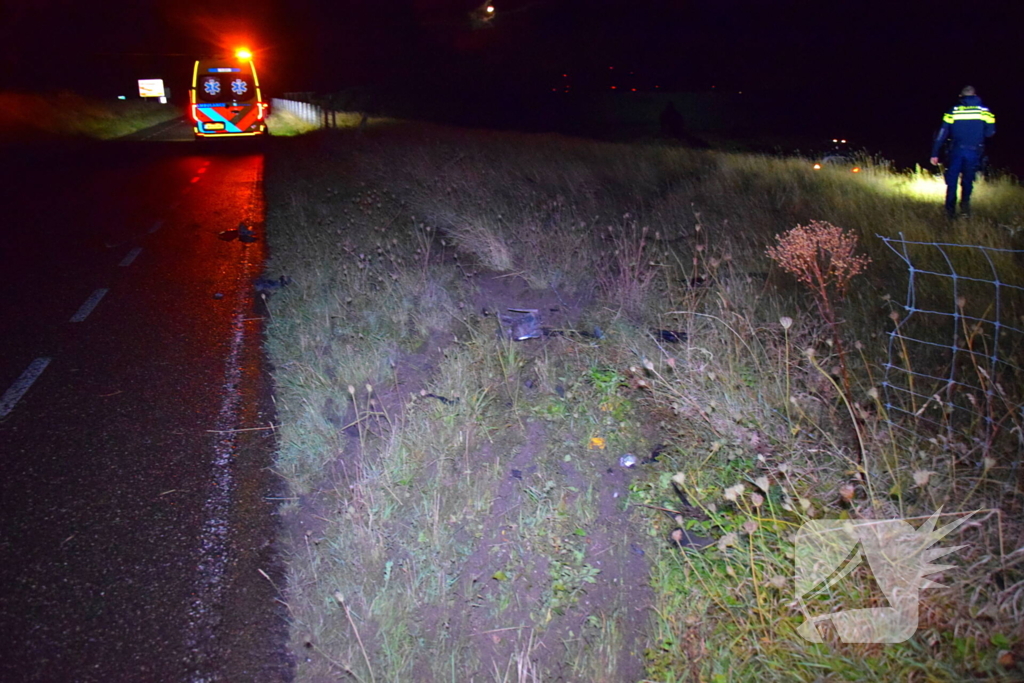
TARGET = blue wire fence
x,y
956,353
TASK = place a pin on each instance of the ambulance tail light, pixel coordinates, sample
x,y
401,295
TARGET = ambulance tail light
x,y
195,113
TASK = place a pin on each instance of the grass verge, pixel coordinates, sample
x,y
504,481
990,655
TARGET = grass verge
x,y
459,509
29,117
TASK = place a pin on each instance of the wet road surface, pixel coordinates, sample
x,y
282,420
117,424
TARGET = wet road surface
x,y
136,504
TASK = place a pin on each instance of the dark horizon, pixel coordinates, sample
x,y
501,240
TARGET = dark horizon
x,y
881,71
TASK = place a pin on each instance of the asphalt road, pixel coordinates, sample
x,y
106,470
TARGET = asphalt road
x,y
136,520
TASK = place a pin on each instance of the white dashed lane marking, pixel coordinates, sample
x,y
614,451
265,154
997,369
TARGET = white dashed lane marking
x,y
127,260
87,307
21,385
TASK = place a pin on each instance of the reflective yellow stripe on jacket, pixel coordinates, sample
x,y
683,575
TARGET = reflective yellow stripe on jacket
x,y
966,113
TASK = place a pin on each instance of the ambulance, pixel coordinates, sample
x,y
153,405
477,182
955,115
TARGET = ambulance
x,y
225,98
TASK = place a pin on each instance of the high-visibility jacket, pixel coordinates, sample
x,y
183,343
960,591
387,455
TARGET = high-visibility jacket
x,y
966,125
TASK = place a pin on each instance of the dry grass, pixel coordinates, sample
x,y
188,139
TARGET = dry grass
x,y
459,512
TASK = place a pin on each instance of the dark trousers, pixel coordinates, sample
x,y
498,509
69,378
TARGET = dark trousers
x,y
962,162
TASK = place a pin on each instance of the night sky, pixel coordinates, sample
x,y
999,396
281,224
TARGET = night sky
x,y
875,64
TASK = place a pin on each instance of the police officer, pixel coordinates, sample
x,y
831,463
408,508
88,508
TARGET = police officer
x,y
966,125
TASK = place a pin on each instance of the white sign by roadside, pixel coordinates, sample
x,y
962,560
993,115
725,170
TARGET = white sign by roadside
x,y
151,87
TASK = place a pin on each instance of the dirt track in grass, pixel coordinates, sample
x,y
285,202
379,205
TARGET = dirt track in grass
x,y
499,604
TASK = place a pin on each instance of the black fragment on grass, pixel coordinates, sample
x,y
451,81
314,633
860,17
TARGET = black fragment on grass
x,y
444,399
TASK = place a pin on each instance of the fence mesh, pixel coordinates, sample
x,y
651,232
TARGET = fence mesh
x,y
954,366
308,112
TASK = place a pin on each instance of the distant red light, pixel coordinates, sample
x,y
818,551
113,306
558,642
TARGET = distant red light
x,y
633,89
614,87
855,169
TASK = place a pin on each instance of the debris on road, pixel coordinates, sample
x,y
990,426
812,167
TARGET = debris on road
x,y
245,234
242,233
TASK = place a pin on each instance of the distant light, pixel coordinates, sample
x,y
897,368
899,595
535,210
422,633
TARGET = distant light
x,y
565,75
741,92
817,167
121,97
843,141
614,87
490,9
611,67
855,169
835,140
163,100
633,89
243,53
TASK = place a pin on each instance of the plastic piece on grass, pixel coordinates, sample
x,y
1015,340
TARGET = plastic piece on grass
x,y
265,285
670,336
597,444
655,453
523,324
628,460
443,399
687,539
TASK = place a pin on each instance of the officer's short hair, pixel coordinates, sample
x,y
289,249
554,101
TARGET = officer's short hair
x,y
968,91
